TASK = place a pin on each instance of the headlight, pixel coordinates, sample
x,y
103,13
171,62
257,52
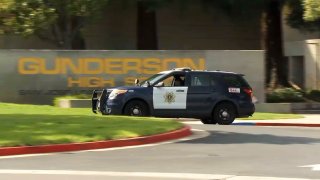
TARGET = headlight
x,y
116,92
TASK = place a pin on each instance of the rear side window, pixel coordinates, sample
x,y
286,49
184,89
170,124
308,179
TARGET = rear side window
x,y
202,80
235,81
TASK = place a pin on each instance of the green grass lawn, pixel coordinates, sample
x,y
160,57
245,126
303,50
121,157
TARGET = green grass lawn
x,y
38,125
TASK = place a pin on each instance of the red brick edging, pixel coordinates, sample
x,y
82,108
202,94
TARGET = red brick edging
x,y
288,124
183,132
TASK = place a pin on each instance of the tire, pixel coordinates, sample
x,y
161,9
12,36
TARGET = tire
x,y
136,108
224,113
208,121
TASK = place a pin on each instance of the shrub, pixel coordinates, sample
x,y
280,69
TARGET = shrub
x,y
313,95
285,95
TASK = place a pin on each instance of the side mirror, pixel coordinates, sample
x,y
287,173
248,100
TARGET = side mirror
x,y
136,82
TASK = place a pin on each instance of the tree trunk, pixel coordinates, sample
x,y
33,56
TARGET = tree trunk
x,y
276,72
77,39
146,28
67,31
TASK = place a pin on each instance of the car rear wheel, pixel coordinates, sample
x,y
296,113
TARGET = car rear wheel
x,y
136,108
208,121
224,113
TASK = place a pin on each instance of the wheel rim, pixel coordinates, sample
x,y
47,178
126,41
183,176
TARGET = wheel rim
x,y
224,114
136,110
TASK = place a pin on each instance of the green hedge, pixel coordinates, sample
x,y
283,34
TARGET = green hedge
x,y
285,95
313,95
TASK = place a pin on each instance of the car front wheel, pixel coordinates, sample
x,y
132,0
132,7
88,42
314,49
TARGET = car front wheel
x,y
136,108
224,113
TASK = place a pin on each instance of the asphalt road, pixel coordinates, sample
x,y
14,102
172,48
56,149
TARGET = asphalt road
x,y
215,152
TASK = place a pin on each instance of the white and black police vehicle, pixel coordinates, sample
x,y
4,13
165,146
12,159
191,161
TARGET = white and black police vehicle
x,y
212,96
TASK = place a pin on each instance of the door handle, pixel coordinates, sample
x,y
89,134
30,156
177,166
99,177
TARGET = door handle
x,y
179,90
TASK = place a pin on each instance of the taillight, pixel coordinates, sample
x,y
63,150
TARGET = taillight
x,y
248,91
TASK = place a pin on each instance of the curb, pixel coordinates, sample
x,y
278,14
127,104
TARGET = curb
x,y
180,133
275,124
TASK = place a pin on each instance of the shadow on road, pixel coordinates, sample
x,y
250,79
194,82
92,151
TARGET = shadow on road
x,y
219,137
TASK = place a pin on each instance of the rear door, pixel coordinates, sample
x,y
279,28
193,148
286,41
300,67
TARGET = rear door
x,y
202,93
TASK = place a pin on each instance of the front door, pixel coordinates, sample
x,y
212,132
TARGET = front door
x,y
170,100
174,98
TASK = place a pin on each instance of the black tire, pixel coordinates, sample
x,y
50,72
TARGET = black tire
x,y
224,113
208,121
136,108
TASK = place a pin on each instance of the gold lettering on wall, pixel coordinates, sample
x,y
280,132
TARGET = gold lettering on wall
x,y
98,66
90,82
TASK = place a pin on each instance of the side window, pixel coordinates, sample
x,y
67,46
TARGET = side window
x,y
202,80
168,81
234,81
174,80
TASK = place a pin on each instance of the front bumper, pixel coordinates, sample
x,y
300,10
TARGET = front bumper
x,y
101,103
98,101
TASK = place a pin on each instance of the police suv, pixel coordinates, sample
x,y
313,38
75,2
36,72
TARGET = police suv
x,y
212,96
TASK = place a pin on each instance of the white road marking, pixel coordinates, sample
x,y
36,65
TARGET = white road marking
x,y
314,167
192,137
139,174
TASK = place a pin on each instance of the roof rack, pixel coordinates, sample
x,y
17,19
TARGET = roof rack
x,y
182,69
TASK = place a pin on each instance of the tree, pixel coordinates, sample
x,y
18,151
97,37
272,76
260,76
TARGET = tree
x,y
271,30
147,34
294,13
56,21
276,66
146,26
4,6
311,10
270,15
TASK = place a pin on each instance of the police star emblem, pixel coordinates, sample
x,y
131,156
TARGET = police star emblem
x,y
169,97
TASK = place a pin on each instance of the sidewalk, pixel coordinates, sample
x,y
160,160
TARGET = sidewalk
x,y
309,120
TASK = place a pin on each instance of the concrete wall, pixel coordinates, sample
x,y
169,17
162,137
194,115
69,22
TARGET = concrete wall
x,y
312,64
297,70
304,62
33,76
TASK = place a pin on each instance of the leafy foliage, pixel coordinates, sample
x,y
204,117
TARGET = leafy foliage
x,y
312,10
29,16
294,15
57,21
4,6
285,95
313,95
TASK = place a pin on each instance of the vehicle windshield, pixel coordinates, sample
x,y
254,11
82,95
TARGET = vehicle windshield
x,y
152,79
